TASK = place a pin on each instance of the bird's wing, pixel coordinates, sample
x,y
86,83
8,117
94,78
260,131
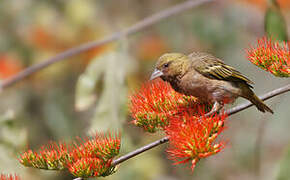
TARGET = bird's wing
x,y
215,68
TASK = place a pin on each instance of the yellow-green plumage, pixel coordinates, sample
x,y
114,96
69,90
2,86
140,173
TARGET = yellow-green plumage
x,y
215,68
204,76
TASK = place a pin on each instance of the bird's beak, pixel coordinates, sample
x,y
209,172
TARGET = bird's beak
x,y
156,73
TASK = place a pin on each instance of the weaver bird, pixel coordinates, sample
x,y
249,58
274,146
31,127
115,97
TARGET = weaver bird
x,y
206,77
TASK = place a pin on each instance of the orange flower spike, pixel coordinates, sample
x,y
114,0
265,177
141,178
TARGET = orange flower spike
x,y
271,56
9,177
52,157
102,146
106,146
155,102
55,155
192,138
91,158
89,167
32,159
149,106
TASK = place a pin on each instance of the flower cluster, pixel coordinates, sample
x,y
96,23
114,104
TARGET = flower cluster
x,y
52,157
9,177
94,157
192,138
191,134
91,167
156,101
90,158
271,56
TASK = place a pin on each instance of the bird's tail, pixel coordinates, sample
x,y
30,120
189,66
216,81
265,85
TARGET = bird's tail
x,y
250,95
259,104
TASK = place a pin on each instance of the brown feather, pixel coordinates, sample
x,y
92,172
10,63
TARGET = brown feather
x,y
215,68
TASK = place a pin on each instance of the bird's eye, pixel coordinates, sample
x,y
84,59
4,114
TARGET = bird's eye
x,y
166,65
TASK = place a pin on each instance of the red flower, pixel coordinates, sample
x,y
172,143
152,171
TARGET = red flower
x,y
101,146
53,157
89,167
155,102
9,177
192,138
93,157
271,56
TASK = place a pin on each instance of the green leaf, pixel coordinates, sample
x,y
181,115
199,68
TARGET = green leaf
x,y
275,25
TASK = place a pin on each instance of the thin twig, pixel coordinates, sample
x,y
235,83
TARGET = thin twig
x,y
263,97
231,111
141,25
139,151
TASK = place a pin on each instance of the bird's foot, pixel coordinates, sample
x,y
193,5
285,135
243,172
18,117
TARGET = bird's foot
x,y
215,109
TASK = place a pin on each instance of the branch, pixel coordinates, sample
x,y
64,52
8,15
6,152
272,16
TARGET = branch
x,y
139,26
139,151
231,111
264,97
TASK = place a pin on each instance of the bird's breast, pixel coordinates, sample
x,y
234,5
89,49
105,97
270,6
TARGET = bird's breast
x,y
175,83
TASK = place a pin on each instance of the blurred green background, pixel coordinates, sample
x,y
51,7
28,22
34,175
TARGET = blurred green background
x,y
89,92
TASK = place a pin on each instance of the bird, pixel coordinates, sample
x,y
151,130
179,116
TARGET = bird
x,y
206,77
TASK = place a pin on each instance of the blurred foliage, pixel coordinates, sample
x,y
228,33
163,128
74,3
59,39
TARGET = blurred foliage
x,y
47,105
283,173
263,3
12,138
111,69
275,25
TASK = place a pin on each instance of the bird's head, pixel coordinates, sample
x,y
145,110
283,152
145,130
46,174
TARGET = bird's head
x,y
170,66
